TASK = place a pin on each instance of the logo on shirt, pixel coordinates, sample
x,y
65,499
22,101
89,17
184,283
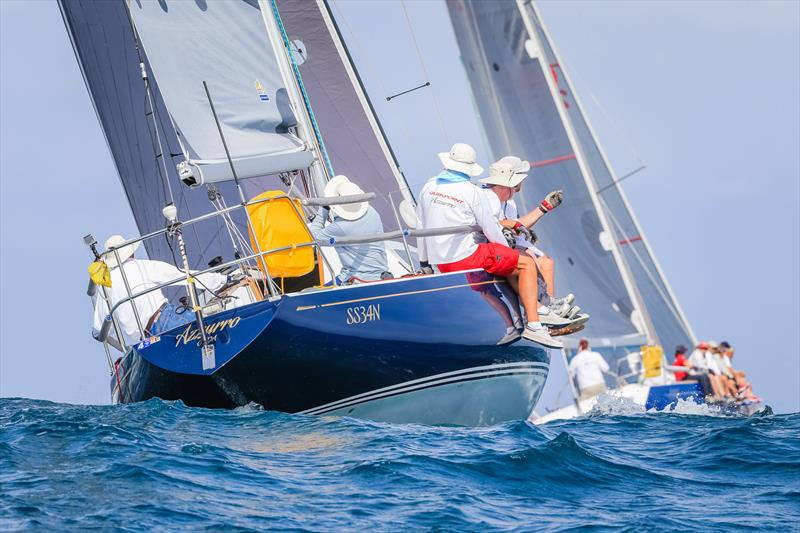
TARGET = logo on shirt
x,y
444,199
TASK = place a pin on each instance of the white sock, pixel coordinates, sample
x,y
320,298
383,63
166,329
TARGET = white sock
x,y
535,325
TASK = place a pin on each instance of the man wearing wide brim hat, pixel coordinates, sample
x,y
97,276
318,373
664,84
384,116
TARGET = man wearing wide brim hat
x,y
500,190
156,314
450,199
360,262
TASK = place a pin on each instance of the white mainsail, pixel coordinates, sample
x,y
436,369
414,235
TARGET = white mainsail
x,y
237,47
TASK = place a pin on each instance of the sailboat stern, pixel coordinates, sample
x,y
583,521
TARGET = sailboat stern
x,y
180,350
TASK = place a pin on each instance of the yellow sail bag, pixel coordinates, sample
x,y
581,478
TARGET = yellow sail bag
x,y
278,223
652,357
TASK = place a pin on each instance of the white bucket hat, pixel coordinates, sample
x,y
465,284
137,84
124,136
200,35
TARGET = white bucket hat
x,y
342,186
124,253
503,174
461,158
520,165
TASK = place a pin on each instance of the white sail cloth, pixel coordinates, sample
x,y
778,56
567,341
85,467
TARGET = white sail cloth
x,y
227,45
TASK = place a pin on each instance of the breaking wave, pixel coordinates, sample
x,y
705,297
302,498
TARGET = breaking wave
x,y
161,465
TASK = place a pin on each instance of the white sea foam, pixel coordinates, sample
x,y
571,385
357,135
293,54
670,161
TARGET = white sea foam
x,y
615,404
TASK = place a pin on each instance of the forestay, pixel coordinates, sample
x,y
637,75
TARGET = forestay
x,y
665,314
225,44
353,137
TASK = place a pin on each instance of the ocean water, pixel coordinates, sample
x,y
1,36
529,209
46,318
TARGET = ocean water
x,y
163,466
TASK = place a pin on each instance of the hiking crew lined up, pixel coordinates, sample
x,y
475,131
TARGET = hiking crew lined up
x,y
451,199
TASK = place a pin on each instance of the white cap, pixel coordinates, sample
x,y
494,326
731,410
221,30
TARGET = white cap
x,y
503,174
342,186
461,158
124,253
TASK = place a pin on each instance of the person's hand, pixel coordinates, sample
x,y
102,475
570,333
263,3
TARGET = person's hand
x,y
551,201
528,233
511,237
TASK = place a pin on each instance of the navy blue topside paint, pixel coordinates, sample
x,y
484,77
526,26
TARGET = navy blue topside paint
x,y
309,349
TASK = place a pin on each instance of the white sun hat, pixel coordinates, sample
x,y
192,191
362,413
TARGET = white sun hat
x,y
461,158
520,165
124,253
342,186
503,174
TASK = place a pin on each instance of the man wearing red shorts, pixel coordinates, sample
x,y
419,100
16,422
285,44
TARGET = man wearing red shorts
x,y
450,199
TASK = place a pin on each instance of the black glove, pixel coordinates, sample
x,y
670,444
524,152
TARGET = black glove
x,y
528,233
511,237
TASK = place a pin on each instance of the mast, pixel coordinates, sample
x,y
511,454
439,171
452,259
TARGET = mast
x,y
628,281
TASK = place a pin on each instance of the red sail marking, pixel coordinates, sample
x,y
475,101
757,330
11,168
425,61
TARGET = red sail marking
x,y
552,161
631,240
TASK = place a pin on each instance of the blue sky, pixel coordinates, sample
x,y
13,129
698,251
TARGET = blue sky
x,y
707,94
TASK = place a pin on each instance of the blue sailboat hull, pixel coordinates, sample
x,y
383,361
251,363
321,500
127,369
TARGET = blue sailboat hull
x,y
421,349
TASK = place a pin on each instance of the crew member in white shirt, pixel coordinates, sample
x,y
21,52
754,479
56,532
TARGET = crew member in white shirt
x,y
155,312
500,192
587,368
450,199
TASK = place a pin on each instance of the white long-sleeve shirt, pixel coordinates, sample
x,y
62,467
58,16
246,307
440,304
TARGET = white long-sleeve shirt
x,y
587,368
142,274
444,204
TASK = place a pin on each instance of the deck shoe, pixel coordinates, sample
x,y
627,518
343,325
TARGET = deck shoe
x,y
575,311
561,308
549,318
511,335
541,336
579,320
568,299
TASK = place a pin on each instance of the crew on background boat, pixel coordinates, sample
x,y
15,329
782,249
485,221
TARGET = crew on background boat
x,y
680,360
360,262
155,312
450,199
587,368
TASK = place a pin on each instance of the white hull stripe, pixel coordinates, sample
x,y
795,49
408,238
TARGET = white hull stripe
x,y
435,381
437,377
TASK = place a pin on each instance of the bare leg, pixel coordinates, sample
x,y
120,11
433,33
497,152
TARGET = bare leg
x,y
547,268
500,307
716,385
524,282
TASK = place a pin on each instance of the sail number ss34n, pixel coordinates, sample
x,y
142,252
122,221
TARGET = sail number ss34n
x,y
363,313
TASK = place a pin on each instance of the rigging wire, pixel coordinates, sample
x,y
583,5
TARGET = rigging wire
x,y
667,299
367,66
425,73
